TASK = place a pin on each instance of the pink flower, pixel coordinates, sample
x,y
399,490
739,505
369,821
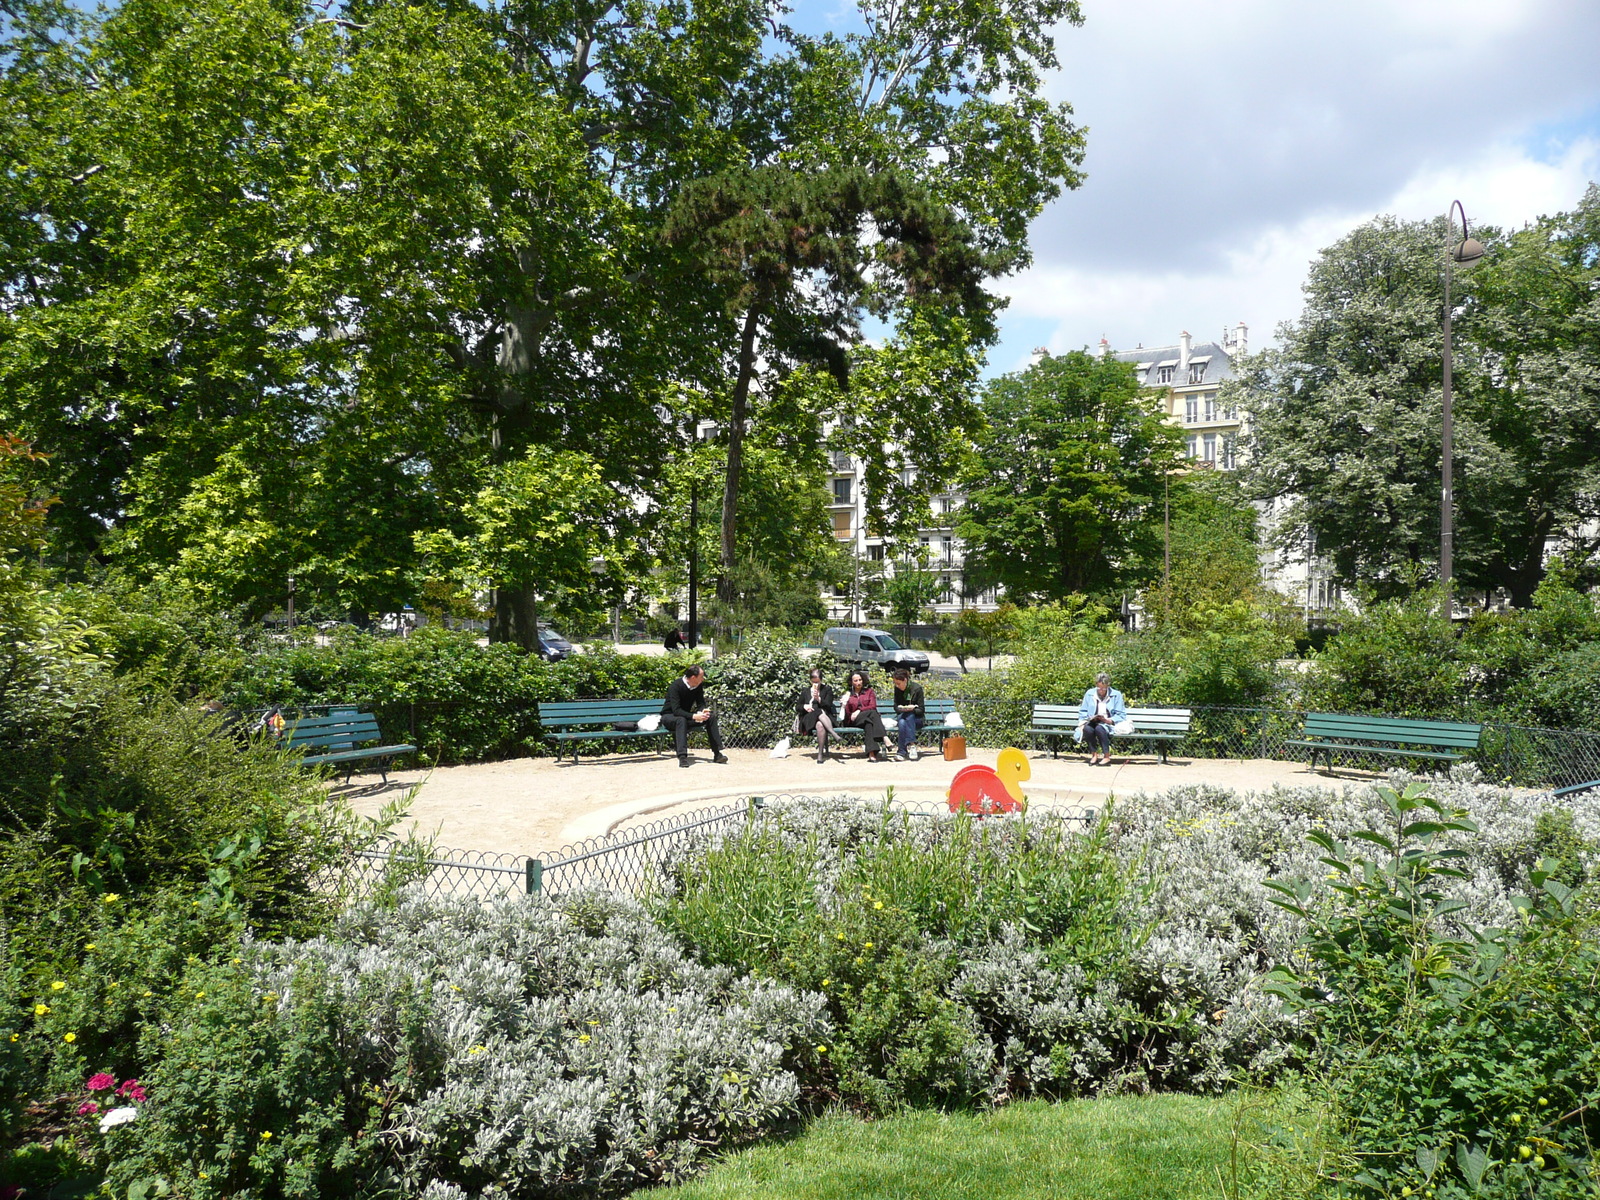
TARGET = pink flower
x,y
132,1091
101,1082
87,1108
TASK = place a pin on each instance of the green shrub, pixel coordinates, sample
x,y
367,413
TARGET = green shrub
x,y
890,917
451,1049
1400,658
1463,1060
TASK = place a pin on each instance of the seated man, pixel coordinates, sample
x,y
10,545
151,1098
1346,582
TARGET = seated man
x,y
910,711
686,707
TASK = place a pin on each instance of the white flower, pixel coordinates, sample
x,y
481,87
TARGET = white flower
x,y
118,1116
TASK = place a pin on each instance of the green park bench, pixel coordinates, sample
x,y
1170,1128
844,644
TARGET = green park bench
x,y
574,721
342,737
1160,726
936,711
1398,737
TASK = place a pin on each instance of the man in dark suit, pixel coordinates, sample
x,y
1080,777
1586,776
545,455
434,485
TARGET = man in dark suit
x,y
686,707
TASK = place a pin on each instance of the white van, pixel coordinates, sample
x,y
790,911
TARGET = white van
x,y
872,646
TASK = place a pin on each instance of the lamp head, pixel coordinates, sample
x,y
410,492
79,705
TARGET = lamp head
x,y
1470,250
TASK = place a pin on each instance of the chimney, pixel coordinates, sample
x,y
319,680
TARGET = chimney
x,y
1040,353
1105,347
1236,340
1183,354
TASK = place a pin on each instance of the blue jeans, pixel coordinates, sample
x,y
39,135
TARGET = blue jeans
x,y
910,726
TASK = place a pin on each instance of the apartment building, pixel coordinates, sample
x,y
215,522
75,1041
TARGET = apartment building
x,y
1192,374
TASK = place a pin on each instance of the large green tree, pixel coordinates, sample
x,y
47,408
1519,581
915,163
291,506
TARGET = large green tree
x,y
1346,409
1064,492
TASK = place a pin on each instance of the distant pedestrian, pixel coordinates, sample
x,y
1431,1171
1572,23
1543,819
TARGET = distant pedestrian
x,y
675,640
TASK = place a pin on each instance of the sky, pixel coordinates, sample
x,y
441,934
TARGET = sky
x,y
1231,140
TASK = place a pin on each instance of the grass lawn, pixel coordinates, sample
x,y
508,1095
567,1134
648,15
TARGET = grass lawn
x,y
1144,1147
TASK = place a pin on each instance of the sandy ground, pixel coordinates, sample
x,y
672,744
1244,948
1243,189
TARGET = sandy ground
x,y
534,805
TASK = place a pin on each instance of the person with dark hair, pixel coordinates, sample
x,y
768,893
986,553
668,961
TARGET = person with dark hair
x,y
675,640
1102,707
861,710
815,712
685,707
910,711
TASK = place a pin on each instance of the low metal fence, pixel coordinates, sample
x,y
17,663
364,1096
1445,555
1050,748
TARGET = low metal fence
x,y
458,731
627,862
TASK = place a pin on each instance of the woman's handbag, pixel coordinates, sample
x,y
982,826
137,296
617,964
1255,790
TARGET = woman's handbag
x,y
955,747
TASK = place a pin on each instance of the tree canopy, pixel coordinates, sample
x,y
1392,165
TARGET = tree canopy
x,y
1065,487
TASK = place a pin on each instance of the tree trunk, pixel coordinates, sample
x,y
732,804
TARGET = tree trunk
x,y
730,487
516,617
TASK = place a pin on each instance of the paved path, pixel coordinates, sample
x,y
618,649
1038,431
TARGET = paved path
x,y
533,805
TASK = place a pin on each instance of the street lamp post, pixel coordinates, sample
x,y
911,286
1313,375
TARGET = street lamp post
x,y
1468,250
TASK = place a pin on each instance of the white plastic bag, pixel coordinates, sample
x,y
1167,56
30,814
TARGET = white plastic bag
x,y
1122,728
954,721
650,721
781,750
1077,734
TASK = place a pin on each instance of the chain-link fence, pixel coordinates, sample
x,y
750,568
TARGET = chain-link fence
x,y
462,731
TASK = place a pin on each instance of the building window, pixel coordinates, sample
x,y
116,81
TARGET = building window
x,y
841,460
908,476
1191,410
875,553
841,491
1229,461
1163,374
944,596
1194,447
841,524
946,551
1210,444
946,504
1197,372
1211,406
1230,411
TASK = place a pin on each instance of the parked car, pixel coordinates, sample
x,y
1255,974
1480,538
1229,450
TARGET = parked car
x,y
552,646
872,646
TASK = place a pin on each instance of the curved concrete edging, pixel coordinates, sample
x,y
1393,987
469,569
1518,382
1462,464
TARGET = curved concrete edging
x,y
605,821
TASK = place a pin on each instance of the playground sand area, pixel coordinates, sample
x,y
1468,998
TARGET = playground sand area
x,y
531,806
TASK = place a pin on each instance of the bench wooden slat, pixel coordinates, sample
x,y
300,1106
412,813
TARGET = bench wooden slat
x,y
342,734
577,721
1396,737
1158,725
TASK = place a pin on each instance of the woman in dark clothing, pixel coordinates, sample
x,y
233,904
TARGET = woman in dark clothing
x,y
814,708
861,709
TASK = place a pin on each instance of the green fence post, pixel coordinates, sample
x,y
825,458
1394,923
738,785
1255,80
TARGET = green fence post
x,y
535,876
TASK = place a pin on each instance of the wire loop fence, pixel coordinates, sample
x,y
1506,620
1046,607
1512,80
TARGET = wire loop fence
x,y
627,862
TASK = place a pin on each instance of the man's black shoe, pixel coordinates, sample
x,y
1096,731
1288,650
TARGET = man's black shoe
x,y
722,758
683,762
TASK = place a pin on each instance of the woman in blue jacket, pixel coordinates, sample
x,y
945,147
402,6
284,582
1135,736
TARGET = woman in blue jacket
x,y
1102,708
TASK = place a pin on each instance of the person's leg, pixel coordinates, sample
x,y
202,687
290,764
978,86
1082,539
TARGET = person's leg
x,y
874,734
680,735
905,733
1100,740
824,732
715,738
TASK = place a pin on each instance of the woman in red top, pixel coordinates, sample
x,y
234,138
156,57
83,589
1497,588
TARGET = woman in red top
x,y
861,710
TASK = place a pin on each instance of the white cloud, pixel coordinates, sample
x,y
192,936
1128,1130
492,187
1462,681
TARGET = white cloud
x,y
1230,141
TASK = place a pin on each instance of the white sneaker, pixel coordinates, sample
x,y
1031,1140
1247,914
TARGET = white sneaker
x,y
911,753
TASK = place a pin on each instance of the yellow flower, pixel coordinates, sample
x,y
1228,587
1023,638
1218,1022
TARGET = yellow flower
x,y
203,1175
840,936
826,982
866,945
593,1023
877,904
199,995
584,1037
266,1135
822,1049
88,945
69,1038
57,986
672,1010
477,1049
147,995
15,1036
40,1010
110,898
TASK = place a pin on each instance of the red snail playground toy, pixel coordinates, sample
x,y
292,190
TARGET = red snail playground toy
x,y
987,790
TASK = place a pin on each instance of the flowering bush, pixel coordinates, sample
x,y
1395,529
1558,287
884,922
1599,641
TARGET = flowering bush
x,y
515,1050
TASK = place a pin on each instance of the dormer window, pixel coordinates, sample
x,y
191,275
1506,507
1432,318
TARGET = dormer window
x,y
1197,372
1163,374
